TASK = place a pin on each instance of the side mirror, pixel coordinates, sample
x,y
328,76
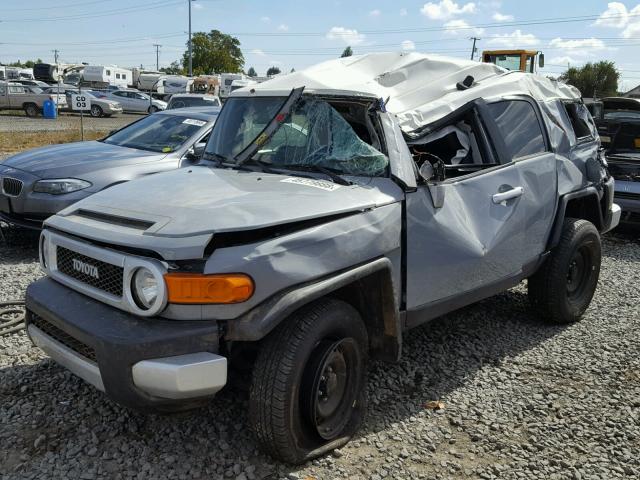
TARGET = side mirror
x,y
426,171
198,149
195,152
541,60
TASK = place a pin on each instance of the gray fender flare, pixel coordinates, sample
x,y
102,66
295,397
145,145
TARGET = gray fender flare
x,y
384,325
556,230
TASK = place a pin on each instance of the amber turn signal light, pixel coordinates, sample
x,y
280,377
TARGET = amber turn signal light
x,y
195,288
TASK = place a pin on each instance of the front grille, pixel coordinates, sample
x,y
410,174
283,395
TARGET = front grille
x,y
96,273
627,195
64,338
11,186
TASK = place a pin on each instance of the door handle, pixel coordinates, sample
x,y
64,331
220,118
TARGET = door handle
x,y
508,195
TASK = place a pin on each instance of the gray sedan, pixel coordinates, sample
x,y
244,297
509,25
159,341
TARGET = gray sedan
x,y
41,182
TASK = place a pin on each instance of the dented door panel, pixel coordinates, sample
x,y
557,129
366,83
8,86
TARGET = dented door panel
x,y
539,202
467,243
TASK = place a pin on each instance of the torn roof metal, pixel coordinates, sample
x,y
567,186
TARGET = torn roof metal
x,y
421,88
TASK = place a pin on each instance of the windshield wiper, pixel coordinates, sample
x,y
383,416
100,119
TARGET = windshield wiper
x,y
320,169
272,127
223,161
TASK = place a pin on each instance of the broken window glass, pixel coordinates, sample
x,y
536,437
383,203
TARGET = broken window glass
x,y
316,134
313,134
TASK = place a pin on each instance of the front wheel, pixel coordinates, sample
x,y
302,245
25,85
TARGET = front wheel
x,y
308,393
153,109
562,289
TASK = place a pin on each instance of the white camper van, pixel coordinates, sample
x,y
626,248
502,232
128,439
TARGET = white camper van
x,y
109,75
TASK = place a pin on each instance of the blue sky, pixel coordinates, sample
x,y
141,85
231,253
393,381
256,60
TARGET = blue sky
x,y
296,34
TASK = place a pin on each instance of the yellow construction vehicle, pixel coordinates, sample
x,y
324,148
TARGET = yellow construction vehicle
x,y
523,60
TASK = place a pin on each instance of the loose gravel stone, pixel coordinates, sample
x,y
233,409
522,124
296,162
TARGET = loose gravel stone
x,y
523,400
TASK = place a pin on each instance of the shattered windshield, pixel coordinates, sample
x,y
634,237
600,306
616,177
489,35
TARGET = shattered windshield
x,y
314,134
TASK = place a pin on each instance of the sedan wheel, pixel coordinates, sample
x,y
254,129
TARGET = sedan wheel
x,y
153,109
96,111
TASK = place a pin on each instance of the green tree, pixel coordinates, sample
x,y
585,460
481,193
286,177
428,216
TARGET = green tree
x,y
347,52
252,72
174,69
273,71
598,79
214,52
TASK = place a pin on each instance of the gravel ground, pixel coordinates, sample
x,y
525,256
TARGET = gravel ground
x,y
521,400
66,121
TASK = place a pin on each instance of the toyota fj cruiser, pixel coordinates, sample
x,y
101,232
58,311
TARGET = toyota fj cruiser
x,y
334,210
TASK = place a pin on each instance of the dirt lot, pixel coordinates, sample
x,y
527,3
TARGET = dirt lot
x,y
12,122
522,400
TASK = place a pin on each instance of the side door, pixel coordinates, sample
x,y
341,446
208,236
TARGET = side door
x,y
139,102
467,233
123,99
521,124
16,95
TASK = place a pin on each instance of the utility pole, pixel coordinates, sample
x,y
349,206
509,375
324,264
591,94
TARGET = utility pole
x,y
157,56
55,55
190,49
473,48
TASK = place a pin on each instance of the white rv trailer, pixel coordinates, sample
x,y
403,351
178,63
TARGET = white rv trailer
x,y
51,72
107,74
16,73
146,79
226,79
171,84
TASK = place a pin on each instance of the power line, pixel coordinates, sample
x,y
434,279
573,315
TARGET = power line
x,y
106,13
53,7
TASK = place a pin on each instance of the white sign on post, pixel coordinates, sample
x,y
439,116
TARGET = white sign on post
x,y
80,102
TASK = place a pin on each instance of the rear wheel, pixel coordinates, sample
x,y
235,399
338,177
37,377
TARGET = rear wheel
x,y
96,111
31,110
308,392
562,289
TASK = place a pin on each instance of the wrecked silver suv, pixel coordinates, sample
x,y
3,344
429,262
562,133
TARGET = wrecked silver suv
x,y
334,210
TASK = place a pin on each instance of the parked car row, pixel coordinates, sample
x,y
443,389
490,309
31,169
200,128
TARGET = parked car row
x,y
30,99
319,225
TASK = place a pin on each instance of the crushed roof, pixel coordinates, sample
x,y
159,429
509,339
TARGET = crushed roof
x,y
420,88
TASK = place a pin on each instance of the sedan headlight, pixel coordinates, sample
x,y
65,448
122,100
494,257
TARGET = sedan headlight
x,y
146,288
58,186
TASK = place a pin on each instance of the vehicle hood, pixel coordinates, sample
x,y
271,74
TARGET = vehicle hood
x,y
75,159
203,201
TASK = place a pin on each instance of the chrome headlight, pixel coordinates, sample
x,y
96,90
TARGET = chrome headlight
x,y
59,186
145,288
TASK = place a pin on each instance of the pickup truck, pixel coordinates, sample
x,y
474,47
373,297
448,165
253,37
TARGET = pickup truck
x,y
14,96
334,210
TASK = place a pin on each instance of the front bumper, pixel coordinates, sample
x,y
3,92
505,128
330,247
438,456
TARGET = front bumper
x,y
142,363
111,109
627,195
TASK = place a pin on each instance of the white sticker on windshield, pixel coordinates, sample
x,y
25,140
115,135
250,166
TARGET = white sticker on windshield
x,y
311,182
193,121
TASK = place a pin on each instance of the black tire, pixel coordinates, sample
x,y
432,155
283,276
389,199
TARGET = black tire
x,y
153,109
96,111
31,110
299,408
562,289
